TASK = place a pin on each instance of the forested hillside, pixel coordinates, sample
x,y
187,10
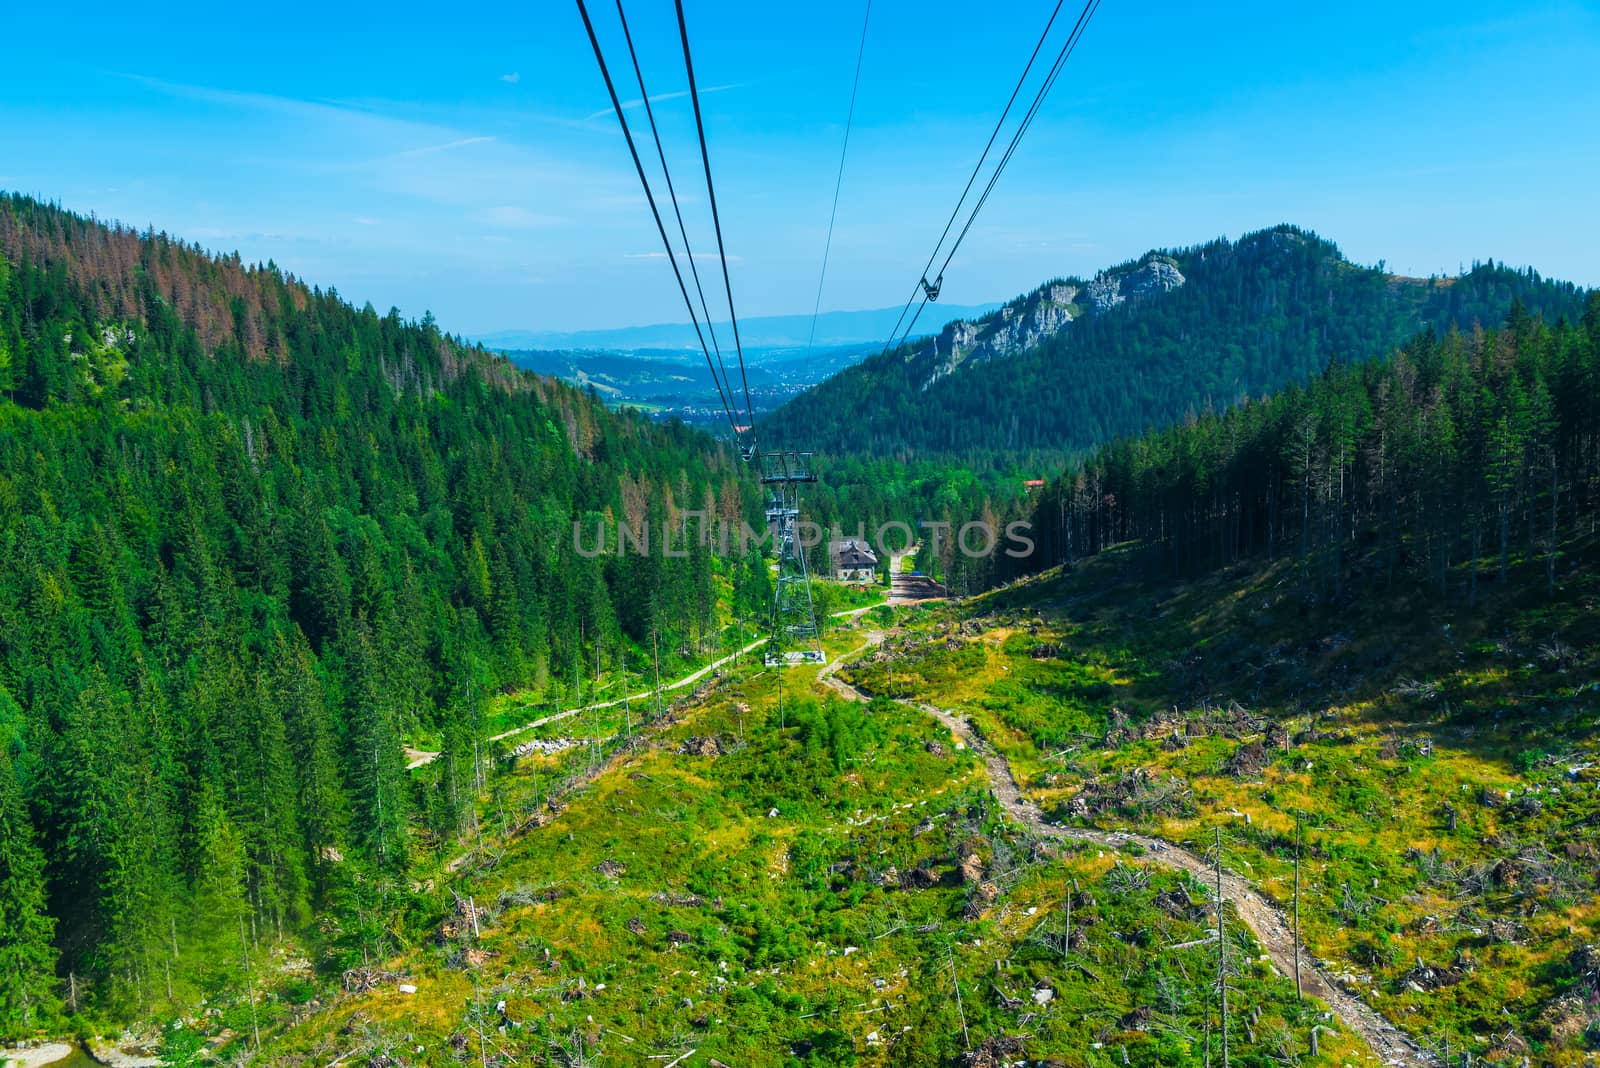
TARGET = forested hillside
x,y
251,539
1464,457
1249,317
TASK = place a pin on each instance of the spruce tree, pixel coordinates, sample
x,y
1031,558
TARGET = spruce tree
x,y
28,1000
319,803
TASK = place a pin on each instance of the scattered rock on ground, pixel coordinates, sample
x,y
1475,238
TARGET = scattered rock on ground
x,y
1174,903
699,746
1248,760
1138,1020
35,1056
1562,1020
995,1052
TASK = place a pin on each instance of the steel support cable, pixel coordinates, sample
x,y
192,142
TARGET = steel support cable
x,y
683,232
705,158
839,181
976,167
638,166
1067,48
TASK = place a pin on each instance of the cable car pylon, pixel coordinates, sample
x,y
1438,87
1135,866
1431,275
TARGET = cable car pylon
x,y
796,638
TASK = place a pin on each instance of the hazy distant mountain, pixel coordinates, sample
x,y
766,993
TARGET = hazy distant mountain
x,y
770,332
677,381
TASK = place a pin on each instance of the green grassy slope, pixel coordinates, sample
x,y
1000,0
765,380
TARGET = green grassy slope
x,y
1444,761
807,886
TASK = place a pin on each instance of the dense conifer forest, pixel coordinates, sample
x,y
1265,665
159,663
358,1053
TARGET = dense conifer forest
x,y
1469,456
252,539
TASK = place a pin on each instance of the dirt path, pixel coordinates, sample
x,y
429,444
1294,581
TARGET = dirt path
x,y
825,676
416,758
678,684
1392,1045
910,589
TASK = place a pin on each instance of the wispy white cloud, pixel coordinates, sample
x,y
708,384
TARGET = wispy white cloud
x,y
368,118
513,78
358,137
453,114
425,150
656,98
242,98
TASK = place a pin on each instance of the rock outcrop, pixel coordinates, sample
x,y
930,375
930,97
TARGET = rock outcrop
x,y
1029,321
1156,275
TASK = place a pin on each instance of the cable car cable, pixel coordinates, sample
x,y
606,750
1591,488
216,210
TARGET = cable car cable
x,y
1027,120
922,286
705,157
930,292
688,252
839,181
638,166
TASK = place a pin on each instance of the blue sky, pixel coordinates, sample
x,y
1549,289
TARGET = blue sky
x,y
464,159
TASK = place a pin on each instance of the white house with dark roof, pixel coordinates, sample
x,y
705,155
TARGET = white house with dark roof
x,y
853,561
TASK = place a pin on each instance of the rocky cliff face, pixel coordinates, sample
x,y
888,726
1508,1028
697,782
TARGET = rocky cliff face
x,y
1030,320
1153,276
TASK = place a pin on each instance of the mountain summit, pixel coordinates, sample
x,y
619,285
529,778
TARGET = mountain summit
x,y
1078,362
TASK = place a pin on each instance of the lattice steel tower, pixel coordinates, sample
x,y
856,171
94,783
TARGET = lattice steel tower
x,y
795,637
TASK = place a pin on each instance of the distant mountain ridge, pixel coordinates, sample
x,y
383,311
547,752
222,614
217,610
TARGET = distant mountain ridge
x,y
1079,362
761,332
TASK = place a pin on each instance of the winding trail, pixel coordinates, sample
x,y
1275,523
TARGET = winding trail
x,y
1392,1045
416,758
677,684
419,758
